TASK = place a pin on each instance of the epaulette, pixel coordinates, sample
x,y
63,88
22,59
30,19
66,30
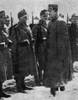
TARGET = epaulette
x,y
15,26
61,19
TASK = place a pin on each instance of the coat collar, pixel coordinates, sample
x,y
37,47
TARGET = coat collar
x,y
54,19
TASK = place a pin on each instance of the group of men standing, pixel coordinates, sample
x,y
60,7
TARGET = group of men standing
x,y
44,51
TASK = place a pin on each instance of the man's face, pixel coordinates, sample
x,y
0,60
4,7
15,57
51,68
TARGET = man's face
x,y
23,18
52,14
7,22
45,17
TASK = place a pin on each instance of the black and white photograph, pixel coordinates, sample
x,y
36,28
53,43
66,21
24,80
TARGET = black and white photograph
x,y
38,49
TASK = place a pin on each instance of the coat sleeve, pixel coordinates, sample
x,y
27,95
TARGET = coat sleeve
x,y
12,37
62,42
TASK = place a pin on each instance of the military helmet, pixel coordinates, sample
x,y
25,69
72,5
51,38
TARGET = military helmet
x,y
2,14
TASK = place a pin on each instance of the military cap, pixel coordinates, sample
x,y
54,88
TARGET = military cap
x,y
2,14
22,13
53,7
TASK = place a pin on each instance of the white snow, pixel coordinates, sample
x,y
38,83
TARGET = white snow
x,y
75,66
43,93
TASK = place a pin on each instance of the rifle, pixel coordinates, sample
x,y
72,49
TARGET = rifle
x,y
36,62
11,19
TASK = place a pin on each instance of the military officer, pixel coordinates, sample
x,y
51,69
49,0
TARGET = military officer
x,y
57,53
73,36
22,52
39,34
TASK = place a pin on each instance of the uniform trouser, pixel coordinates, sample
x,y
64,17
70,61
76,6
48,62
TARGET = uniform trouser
x,y
1,88
8,62
41,67
19,82
40,54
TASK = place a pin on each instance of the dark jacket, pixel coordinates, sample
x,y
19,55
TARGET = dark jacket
x,y
40,34
73,36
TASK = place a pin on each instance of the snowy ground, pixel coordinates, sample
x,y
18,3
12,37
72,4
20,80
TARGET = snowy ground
x,y
42,93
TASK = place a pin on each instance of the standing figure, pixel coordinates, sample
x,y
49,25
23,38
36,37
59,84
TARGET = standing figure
x,y
7,54
73,36
3,47
58,53
22,52
39,34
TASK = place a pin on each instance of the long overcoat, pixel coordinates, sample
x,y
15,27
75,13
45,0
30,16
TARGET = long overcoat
x,y
7,55
58,68
22,53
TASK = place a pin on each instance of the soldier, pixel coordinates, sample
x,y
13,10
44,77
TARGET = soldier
x,y
73,36
57,53
39,34
7,54
3,46
22,53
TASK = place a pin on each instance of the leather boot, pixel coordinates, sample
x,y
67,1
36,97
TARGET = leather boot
x,y
18,84
37,81
53,91
56,89
62,88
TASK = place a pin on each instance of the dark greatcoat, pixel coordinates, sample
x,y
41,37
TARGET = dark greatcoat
x,y
22,53
58,68
73,35
39,34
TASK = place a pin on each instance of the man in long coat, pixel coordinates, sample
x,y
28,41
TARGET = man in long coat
x,y
73,36
58,53
7,54
22,52
39,34
3,47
